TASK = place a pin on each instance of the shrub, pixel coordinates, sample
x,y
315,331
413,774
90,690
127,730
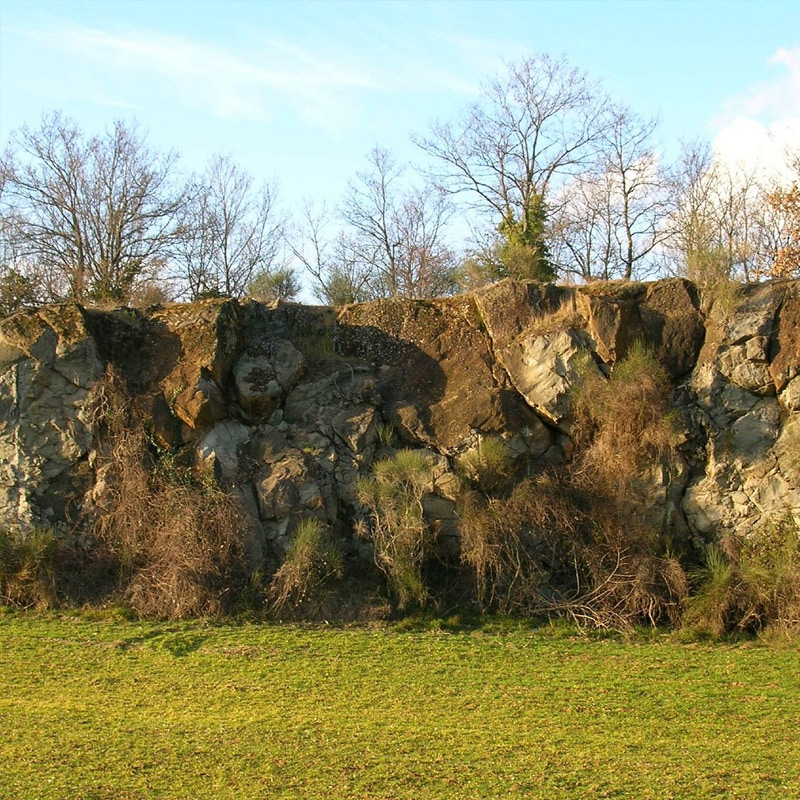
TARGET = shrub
x,y
624,425
192,560
397,525
552,547
311,560
516,545
628,583
27,574
580,541
269,287
626,433
179,544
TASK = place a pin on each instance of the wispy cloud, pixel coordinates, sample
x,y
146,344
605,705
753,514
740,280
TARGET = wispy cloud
x,y
263,78
487,54
228,84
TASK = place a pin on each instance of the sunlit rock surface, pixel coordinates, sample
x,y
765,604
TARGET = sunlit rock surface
x,y
289,405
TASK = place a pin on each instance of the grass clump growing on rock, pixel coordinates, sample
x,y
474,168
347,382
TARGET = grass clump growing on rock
x,y
749,585
487,465
396,522
624,426
387,435
312,559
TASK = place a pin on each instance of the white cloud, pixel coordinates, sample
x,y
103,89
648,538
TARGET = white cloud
x,y
763,122
230,85
752,146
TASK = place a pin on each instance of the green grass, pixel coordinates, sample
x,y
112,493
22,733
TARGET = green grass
x,y
116,709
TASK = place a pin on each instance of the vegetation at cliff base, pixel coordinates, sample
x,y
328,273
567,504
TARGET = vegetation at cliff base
x,y
110,708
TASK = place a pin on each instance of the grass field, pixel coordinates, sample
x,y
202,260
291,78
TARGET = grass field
x,y
118,710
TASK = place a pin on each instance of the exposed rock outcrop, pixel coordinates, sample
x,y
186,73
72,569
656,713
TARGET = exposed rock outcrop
x,y
289,405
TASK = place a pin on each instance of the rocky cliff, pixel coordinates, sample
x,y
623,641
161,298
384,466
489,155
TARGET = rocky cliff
x,y
286,406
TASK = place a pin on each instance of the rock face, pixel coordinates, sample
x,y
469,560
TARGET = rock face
x,y
745,469
289,405
49,363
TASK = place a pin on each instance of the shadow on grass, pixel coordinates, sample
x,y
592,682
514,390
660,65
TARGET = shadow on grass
x,y
178,644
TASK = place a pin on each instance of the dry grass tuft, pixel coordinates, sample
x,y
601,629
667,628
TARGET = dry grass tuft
x,y
27,573
311,561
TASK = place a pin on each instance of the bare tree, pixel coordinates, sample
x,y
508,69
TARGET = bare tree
x,y
642,199
537,124
612,218
791,155
398,232
425,266
583,230
20,285
734,198
693,247
368,210
230,232
722,226
338,272
18,282
97,215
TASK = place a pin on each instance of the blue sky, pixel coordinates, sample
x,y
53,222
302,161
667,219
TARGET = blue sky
x,y
302,90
